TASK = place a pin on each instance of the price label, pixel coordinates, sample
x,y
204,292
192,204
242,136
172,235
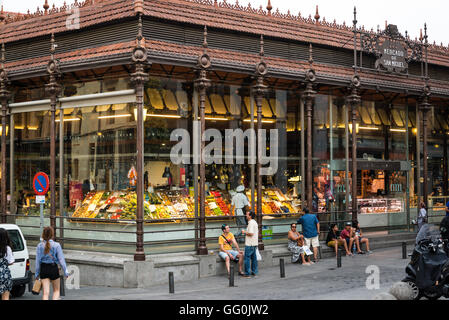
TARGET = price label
x,y
152,208
212,205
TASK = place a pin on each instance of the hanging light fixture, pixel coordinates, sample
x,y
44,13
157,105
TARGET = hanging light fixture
x,y
144,114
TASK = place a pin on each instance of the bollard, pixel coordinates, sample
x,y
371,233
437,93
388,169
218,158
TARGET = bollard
x,y
62,286
338,258
282,267
171,283
231,276
404,250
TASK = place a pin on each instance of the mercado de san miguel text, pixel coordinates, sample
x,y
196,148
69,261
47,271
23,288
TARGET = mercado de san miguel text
x,y
99,94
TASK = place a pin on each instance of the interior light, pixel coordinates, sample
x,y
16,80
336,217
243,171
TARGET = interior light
x,y
369,128
172,116
398,130
263,121
115,116
216,119
68,119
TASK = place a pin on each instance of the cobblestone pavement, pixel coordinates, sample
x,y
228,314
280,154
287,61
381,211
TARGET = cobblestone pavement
x,y
321,281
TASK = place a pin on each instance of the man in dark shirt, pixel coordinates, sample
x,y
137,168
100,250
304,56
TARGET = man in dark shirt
x,y
334,240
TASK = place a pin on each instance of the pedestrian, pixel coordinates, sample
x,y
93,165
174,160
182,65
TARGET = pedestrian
x,y
239,206
48,256
422,216
334,240
226,240
6,259
348,234
360,238
311,231
296,245
251,244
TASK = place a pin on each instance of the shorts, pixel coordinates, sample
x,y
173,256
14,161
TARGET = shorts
x,y
332,243
49,271
315,242
234,253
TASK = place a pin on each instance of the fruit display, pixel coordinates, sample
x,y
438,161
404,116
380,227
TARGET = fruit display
x,y
173,205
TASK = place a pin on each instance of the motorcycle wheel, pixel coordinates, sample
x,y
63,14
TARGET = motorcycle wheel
x,y
417,294
431,295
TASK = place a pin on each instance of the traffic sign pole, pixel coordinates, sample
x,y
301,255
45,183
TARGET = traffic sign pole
x,y
40,186
42,220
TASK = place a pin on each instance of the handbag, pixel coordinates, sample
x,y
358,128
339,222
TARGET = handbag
x,y
37,287
258,256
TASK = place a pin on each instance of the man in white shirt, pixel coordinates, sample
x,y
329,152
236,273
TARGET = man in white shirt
x,y
251,244
238,203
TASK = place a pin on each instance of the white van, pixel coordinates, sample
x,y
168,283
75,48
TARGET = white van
x,y
20,270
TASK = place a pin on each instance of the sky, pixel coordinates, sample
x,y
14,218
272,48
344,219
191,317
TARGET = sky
x,y
407,15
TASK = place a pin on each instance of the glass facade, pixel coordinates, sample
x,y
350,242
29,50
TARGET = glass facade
x,y
98,151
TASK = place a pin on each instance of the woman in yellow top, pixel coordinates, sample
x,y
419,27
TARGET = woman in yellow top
x,y
226,240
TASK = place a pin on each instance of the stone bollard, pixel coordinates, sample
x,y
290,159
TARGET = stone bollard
x,y
384,296
402,291
404,250
282,267
231,275
171,283
62,286
338,258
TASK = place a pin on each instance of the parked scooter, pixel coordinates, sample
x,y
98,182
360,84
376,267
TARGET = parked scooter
x,y
428,270
444,230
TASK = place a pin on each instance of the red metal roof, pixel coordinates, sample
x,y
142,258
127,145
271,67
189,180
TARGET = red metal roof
x,y
202,12
217,55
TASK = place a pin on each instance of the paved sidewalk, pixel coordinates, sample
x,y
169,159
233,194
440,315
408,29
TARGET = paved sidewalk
x,y
322,280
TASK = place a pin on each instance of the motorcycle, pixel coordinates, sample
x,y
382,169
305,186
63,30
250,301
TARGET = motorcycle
x,y
428,269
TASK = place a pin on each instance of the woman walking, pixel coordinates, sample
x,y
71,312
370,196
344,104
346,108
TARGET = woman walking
x,y
48,256
6,259
422,216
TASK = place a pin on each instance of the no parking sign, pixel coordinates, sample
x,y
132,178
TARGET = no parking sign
x,y
41,183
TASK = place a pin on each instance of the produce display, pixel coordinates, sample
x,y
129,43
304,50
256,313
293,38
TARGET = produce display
x,y
170,205
275,202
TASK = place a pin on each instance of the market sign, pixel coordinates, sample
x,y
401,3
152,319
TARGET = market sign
x,y
392,56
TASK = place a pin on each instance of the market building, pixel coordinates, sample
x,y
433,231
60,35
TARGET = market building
x,y
98,94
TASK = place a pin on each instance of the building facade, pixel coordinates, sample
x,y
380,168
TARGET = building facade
x,y
102,95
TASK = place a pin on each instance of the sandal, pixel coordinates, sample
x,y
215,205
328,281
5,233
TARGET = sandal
x,y
241,274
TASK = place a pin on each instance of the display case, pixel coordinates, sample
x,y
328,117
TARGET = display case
x,y
438,204
172,204
379,206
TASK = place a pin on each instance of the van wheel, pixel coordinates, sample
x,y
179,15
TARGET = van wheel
x,y
18,291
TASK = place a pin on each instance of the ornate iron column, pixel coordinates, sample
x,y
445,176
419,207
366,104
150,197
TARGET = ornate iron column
x,y
4,96
425,107
139,78
309,97
259,91
53,89
201,85
353,100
